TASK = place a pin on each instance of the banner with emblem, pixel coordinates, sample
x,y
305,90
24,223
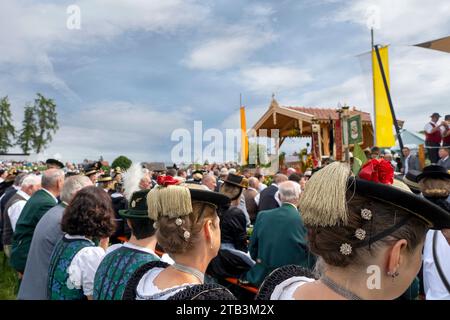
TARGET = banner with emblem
x,y
355,132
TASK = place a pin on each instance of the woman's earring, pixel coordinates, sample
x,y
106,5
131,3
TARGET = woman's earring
x,y
393,274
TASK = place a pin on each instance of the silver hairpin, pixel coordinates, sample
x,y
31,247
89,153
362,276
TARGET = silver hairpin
x,y
155,225
178,222
346,249
360,234
366,214
186,235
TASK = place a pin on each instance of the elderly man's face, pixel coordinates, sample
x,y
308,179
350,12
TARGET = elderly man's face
x,y
210,182
145,183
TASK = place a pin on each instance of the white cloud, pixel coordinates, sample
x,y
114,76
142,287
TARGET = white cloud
x,y
401,21
32,32
259,10
227,51
237,43
273,78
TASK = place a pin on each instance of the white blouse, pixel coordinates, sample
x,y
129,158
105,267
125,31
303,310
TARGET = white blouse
x,y
130,246
434,287
83,267
286,289
146,289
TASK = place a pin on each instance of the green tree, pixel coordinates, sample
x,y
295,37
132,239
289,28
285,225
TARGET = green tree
x,y
122,162
47,122
7,131
27,134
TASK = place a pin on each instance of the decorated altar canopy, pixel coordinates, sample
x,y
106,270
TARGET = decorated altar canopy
x,y
298,122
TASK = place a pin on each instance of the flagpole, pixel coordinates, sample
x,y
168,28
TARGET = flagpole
x,y
391,106
373,84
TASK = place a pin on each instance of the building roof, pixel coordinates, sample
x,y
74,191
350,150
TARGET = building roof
x,y
324,114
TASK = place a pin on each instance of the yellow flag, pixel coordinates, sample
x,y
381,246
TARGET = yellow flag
x,y
384,133
244,138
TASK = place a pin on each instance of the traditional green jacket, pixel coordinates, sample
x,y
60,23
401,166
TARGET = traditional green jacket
x,y
278,239
116,269
33,211
63,254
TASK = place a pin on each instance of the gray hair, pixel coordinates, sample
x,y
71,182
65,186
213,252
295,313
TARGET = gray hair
x,y
253,182
19,179
289,191
31,180
208,177
72,185
50,177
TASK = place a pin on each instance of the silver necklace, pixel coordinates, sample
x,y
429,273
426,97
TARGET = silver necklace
x,y
339,289
198,274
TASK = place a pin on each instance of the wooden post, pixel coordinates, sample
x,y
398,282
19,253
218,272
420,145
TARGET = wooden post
x,y
421,156
326,141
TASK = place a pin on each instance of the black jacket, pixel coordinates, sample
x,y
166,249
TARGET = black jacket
x,y
9,193
267,199
119,203
233,226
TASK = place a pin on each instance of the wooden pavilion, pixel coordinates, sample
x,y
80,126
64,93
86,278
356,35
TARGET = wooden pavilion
x,y
300,121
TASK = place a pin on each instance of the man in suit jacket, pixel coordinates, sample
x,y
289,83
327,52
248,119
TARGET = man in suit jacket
x,y
4,199
267,200
444,160
279,237
249,194
36,207
14,207
410,162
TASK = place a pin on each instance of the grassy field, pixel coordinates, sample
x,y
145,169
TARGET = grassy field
x,y
8,280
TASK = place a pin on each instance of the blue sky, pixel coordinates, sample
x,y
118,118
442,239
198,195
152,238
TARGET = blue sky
x,y
137,70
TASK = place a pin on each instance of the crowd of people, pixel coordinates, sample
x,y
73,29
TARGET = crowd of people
x,y
183,233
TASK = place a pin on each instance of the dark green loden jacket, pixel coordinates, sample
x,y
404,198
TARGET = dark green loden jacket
x,y
278,239
35,208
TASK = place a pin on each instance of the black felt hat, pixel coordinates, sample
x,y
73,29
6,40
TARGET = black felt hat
x,y
138,206
237,180
435,115
434,171
410,179
54,162
436,217
217,199
92,169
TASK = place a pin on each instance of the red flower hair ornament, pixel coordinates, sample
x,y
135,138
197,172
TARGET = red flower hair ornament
x,y
377,170
167,181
